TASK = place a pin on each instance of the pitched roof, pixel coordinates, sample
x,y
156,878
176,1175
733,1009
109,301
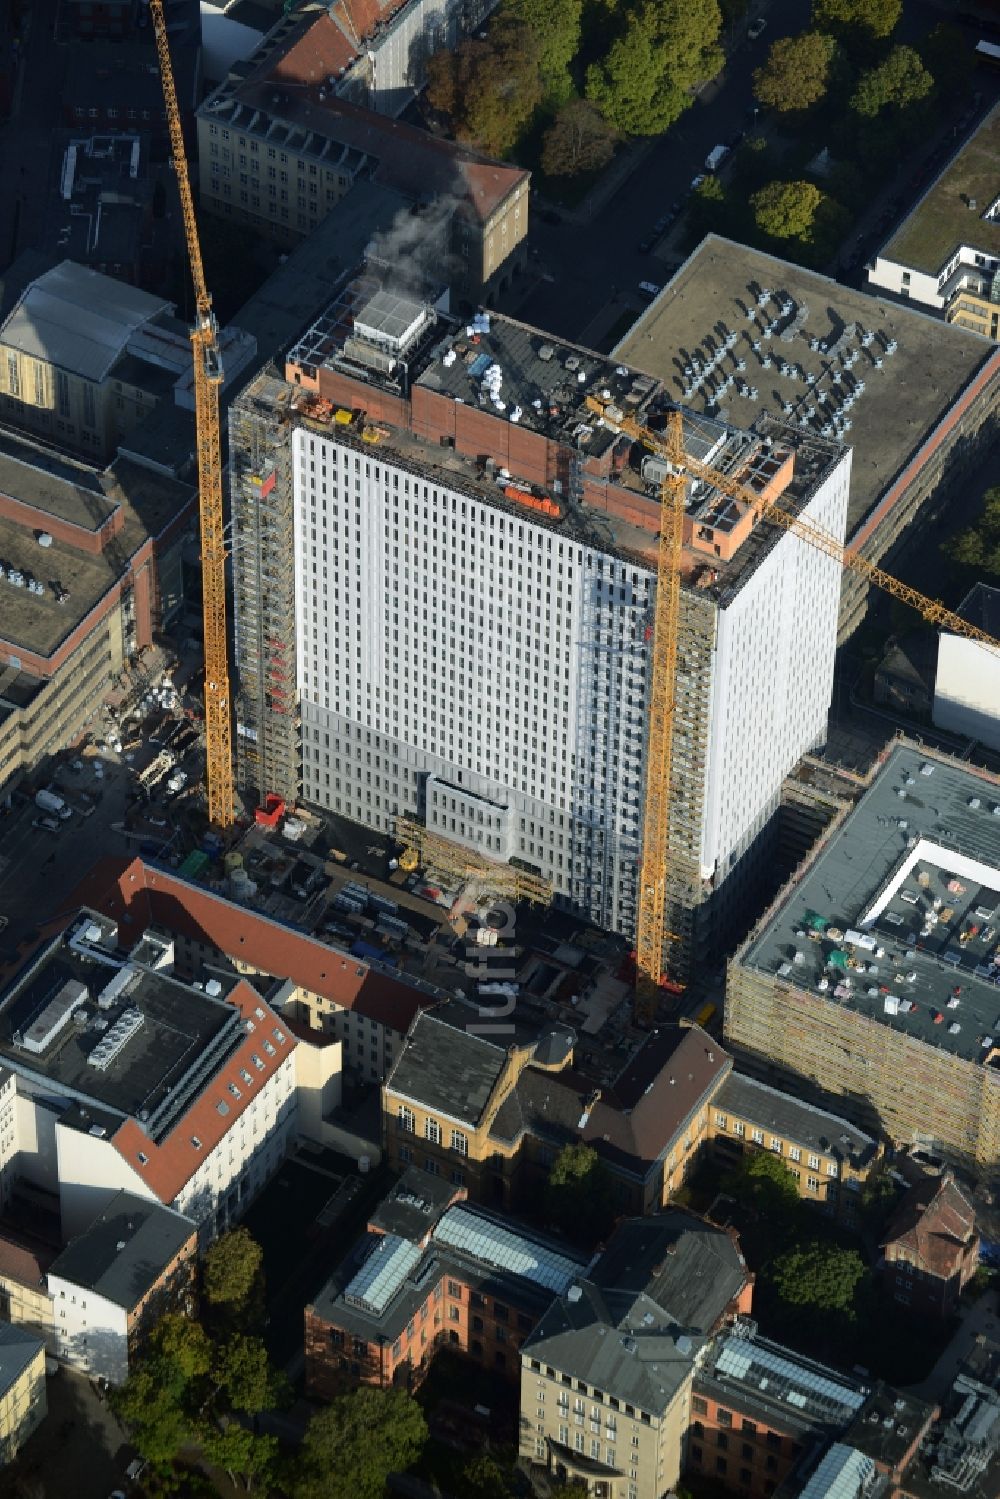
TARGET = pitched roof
x,y
639,1118
125,1250
935,1224
634,1325
25,1261
79,319
167,1166
447,1068
18,1347
799,1122
137,896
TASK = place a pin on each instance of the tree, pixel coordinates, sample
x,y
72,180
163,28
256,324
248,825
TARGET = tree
x,y
879,17
579,1195
897,82
578,140
483,1476
240,1453
643,83
948,56
569,1491
350,1448
489,89
978,546
158,1424
818,1275
556,26
232,1275
241,1367
786,210
763,1181
797,72
180,1349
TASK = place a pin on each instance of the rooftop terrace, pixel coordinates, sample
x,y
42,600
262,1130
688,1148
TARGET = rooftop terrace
x,y
898,915
959,208
877,375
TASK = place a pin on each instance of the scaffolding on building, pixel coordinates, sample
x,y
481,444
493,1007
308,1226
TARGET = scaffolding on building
x,y
434,851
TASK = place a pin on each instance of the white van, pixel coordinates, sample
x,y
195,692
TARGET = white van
x,y
715,158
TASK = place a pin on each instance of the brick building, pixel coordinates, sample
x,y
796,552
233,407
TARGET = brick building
x,y
431,1271
931,1246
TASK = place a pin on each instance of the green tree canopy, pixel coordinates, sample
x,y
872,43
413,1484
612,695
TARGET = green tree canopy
x,y
643,83
180,1348
578,140
232,1274
350,1448
978,546
240,1453
489,88
579,1195
763,1181
483,1476
786,210
241,1366
818,1275
157,1420
897,82
879,17
556,26
796,74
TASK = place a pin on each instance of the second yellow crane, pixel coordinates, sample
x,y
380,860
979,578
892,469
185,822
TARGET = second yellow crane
x,y
208,436
652,937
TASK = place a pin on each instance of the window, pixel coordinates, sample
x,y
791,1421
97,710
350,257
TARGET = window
x,y
724,1417
794,1153
722,1441
459,1142
405,1119
454,1289
699,1405
720,1120
831,1168
432,1131
757,1136
814,1162
812,1182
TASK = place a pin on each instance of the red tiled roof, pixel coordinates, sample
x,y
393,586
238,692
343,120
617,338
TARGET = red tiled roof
x,y
935,1224
23,1261
137,896
171,1163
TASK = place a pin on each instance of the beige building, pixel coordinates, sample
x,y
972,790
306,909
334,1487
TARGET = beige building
x,y
22,1388
278,150
606,1375
24,1296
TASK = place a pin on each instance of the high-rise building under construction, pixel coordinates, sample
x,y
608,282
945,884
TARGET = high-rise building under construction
x,y
444,574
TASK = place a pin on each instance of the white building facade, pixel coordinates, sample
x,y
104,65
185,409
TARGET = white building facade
x,y
488,674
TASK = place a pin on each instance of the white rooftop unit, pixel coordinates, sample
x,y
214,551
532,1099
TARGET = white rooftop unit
x,y
115,1040
53,1016
392,322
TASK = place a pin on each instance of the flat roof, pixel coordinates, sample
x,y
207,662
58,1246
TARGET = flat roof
x,y
125,1250
722,281
943,218
183,1034
86,498
446,1068
897,916
79,319
761,1377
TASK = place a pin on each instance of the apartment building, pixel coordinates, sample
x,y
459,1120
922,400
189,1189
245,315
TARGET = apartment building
x,y
128,1078
945,254
606,1376
870,986
91,567
967,679
329,994
24,1296
279,147
930,1247
833,361
829,1157
459,648
431,1272
113,1282
491,1114
23,1404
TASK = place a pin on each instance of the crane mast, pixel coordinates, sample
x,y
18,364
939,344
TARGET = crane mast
x,y
669,445
208,377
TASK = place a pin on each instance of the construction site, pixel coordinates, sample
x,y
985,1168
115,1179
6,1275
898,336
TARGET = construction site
x,y
874,978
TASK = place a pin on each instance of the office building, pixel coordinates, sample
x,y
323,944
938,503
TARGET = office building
x,y
871,984
915,402
112,1283
967,680
606,1376
23,1404
945,254
128,1078
85,359
91,567
459,644
431,1272
279,148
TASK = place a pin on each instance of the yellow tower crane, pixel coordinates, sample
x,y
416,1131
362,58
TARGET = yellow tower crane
x,y
207,385
652,936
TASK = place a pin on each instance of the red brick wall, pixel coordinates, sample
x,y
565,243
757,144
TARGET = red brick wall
x,y
80,538
736,1451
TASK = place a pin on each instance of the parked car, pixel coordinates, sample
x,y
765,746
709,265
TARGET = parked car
x,y
46,824
649,290
756,28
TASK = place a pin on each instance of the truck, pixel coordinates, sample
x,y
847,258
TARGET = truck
x,y
47,801
715,158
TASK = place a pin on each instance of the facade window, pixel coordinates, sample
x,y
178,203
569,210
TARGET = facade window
x,y
405,1119
699,1405
757,1136
724,1417
794,1153
814,1162
720,1120
432,1131
459,1142
812,1182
